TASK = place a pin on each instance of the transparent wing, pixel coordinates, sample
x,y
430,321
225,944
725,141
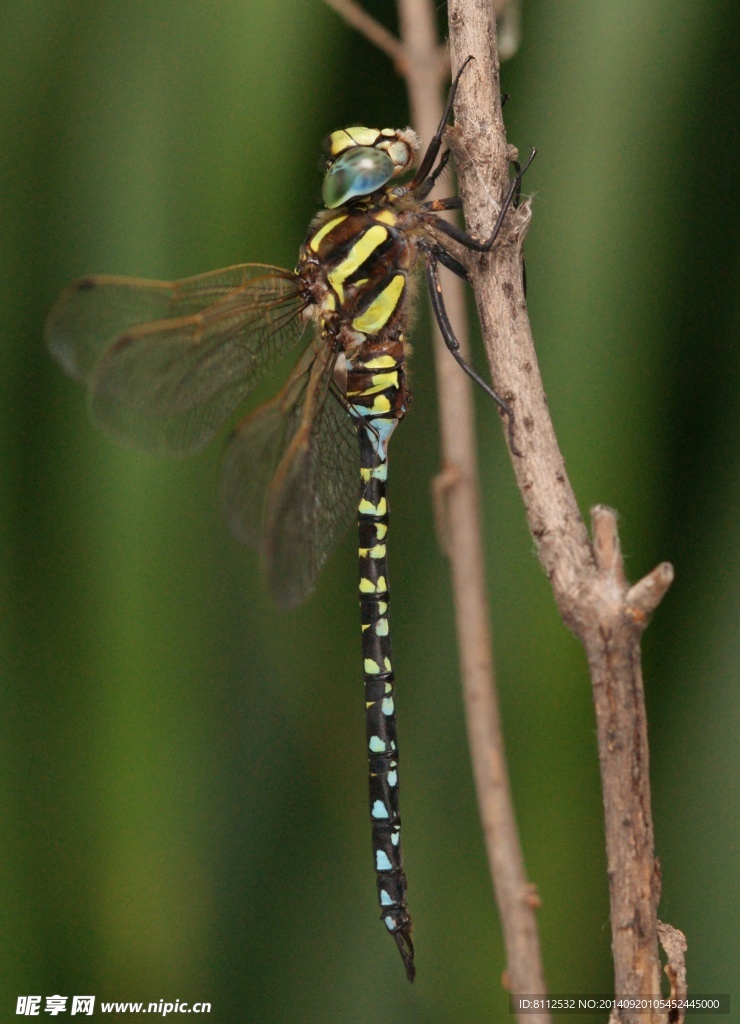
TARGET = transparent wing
x,y
290,478
167,363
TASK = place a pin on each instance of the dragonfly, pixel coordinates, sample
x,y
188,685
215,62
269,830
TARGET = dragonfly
x,y
167,364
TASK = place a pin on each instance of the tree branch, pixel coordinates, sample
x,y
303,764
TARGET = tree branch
x,y
459,490
591,592
378,34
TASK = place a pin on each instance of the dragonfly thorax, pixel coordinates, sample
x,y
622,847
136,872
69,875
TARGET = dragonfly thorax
x,y
355,266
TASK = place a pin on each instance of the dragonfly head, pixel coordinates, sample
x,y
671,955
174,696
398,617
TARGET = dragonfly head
x,y
362,160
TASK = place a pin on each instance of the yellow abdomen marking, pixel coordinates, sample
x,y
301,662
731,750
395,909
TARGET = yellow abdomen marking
x,y
380,310
367,508
381,404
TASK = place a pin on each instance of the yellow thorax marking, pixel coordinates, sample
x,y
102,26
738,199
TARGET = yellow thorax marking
x,y
321,234
387,217
383,380
380,381
357,255
380,310
379,363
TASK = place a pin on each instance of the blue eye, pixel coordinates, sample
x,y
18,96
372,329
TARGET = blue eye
x,y
356,172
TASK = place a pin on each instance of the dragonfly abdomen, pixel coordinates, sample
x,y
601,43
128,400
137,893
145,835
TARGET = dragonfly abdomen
x,y
377,392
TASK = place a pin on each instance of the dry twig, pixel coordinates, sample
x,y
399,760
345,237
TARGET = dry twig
x,y
591,592
464,548
378,34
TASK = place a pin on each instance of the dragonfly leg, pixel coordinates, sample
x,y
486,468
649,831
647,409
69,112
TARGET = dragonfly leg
x,y
467,240
440,314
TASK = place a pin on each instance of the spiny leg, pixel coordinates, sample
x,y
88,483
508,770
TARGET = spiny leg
x,y
463,237
437,254
423,190
440,313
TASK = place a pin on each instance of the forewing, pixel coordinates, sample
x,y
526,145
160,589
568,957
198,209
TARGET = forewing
x,y
291,480
167,363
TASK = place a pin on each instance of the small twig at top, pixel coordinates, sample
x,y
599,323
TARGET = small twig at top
x,y
378,34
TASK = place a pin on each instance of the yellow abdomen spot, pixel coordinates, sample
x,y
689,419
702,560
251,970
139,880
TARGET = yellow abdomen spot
x,y
368,509
381,404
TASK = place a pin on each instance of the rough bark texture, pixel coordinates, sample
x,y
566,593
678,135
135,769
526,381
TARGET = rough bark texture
x,y
458,502
588,583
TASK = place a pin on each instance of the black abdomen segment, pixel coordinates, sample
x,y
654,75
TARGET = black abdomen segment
x,y
377,414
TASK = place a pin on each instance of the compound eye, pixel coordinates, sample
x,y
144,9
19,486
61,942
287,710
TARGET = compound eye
x,y
356,172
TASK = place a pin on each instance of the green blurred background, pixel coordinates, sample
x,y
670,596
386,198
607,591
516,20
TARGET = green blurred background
x,y
183,767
